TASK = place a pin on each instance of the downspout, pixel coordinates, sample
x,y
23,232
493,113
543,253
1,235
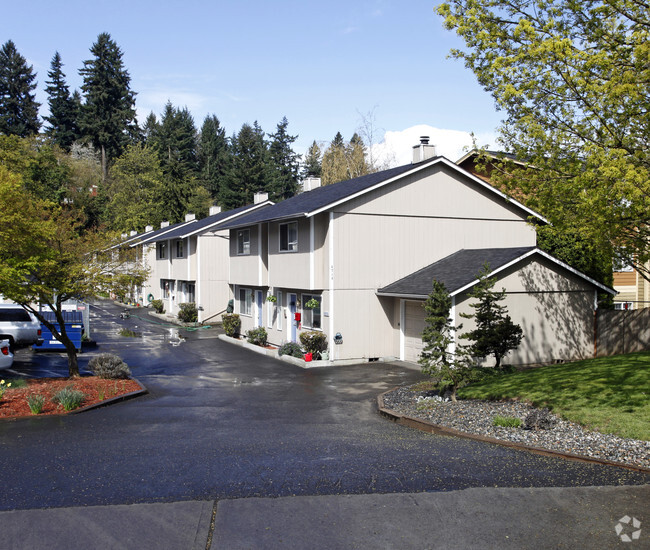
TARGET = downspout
x,y
452,314
311,253
198,280
330,233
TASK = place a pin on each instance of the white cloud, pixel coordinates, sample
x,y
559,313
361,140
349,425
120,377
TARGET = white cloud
x,y
396,148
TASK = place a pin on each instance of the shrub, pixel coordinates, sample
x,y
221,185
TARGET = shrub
x,y
69,398
506,421
109,366
231,324
257,336
290,348
314,342
36,403
188,312
158,305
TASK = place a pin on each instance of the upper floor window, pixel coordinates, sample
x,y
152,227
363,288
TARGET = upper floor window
x,y
179,249
289,237
243,242
162,250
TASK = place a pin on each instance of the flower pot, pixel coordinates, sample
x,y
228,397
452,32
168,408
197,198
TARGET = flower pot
x,y
308,357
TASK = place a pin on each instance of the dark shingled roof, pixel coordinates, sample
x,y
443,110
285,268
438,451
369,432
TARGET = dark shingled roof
x,y
321,197
191,228
153,235
455,271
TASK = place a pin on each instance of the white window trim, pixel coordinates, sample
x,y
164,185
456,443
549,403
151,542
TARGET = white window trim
x,y
247,292
279,308
305,298
289,250
246,250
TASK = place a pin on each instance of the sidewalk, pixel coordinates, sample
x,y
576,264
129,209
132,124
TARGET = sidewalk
x,y
576,517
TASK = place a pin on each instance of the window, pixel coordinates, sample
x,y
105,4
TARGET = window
x,y
278,308
245,301
179,249
167,288
289,237
162,251
243,242
624,305
311,316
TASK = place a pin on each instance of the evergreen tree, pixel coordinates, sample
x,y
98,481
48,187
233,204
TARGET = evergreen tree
x,y
284,164
62,129
443,358
312,166
213,156
149,129
18,105
495,333
249,169
175,140
108,115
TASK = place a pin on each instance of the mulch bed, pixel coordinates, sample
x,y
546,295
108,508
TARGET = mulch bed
x,y
14,402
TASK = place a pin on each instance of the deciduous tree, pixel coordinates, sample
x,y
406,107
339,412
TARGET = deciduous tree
x,y
46,260
572,79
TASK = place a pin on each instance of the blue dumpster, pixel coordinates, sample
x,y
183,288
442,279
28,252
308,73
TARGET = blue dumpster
x,y
73,327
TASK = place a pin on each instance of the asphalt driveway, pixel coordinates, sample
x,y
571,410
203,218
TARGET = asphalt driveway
x,y
221,422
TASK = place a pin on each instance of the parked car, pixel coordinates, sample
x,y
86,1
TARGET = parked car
x,y
19,326
6,357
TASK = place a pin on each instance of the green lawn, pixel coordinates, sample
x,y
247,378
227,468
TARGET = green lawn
x,y
608,394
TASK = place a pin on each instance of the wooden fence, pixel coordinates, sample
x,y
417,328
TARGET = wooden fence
x,y
619,331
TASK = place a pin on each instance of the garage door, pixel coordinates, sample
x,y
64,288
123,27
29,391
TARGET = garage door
x,y
413,327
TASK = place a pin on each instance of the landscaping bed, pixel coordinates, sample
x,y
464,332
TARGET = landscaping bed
x,y
95,391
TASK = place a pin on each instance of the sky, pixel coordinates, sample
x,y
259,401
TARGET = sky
x,y
326,66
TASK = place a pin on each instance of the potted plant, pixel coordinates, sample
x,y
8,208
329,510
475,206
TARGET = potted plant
x,y
272,298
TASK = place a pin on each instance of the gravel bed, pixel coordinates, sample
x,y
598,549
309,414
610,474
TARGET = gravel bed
x,y
475,416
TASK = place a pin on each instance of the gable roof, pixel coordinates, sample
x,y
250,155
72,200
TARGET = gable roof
x,y
324,198
181,231
155,235
459,271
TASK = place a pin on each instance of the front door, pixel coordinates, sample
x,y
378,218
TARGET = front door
x,y
259,301
292,317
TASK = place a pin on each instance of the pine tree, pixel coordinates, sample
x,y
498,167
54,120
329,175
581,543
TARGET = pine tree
x,y
442,357
312,166
495,333
249,168
213,155
108,115
284,164
63,128
175,140
18,105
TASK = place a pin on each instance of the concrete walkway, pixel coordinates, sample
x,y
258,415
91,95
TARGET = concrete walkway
x,y
577,517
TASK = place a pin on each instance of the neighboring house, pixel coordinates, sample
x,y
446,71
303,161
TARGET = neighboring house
x,y
342,245
633,289
189,261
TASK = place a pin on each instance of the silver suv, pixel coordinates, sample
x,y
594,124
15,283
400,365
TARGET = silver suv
x,y
19,326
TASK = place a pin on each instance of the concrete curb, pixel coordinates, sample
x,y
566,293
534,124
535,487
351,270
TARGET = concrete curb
x,y
124,397
430,427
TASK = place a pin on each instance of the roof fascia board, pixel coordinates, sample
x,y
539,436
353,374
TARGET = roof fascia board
x,y
170,228
548,257
404,296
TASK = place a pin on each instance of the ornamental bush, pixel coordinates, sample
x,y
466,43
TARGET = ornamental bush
x,y
314,342
158,306
257,336
109,366
292,349
188,312
231,324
